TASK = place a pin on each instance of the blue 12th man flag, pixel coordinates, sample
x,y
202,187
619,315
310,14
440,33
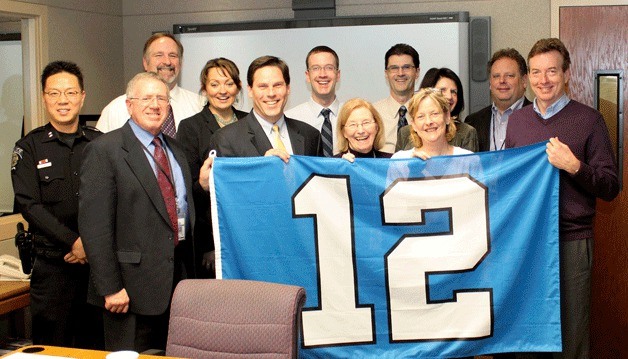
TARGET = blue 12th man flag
x,y
454,256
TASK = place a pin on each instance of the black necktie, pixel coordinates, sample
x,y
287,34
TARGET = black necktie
x,y
328,139
166,185
402,117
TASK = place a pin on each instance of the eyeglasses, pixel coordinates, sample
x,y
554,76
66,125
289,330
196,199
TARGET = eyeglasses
x,y
56,94
161,100
404,68
328,68
354,125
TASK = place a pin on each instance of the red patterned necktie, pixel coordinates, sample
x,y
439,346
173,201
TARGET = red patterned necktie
x,y
168,127
166,186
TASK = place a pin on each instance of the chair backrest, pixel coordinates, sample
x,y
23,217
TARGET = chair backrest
x,y
212,318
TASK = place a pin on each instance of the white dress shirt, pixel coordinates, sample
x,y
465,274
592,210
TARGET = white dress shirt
x,y
283,131
388,109
310,113
499,123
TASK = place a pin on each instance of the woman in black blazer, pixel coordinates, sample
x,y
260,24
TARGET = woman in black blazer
x,y
220,82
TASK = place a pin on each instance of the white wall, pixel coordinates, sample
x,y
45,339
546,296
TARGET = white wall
x,y
514,23
106,37
88,32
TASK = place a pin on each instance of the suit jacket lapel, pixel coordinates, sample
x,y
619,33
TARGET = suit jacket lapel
x,y
296,138
210,119
136,159
256,135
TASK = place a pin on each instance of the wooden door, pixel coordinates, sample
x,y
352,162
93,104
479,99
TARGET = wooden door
x,y
597,39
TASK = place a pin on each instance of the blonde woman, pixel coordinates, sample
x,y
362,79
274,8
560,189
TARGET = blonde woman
x,y
432,126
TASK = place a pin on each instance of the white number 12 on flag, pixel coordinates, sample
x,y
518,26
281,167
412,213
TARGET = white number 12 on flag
x,y
340,319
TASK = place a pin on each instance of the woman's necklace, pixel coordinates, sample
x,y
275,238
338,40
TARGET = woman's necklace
x,y
222,122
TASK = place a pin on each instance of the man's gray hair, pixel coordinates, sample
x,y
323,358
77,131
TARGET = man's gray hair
x,y
131,86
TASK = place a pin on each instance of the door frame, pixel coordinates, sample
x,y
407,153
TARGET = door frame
x,y
34,30
34,20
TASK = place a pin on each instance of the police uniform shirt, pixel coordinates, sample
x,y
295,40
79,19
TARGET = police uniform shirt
x,y
45,173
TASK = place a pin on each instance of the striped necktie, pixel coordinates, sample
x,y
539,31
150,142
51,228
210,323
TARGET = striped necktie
x,y
328,139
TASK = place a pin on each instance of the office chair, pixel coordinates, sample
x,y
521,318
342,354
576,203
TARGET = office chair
x,y
212,318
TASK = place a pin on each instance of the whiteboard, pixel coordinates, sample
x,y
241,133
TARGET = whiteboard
x,y
442,40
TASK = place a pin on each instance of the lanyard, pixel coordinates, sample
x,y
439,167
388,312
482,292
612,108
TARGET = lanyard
x,y
494,140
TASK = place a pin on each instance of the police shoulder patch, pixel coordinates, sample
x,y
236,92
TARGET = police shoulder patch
x,y
16,156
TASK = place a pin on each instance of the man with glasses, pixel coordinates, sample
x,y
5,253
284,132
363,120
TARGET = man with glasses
x,y
163,55
44,171
136,217
401,70
321,111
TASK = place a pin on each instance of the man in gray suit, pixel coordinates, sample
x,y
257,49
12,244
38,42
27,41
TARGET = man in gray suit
x,y
136,219
265,131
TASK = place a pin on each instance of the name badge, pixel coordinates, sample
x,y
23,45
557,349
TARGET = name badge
x,y
181,226
43,164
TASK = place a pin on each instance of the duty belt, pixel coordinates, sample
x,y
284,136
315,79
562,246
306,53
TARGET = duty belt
x,y
44,248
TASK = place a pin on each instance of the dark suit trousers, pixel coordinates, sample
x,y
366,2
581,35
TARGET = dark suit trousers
x,y
131,331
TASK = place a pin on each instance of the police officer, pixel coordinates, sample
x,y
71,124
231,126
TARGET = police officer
x,y
45,173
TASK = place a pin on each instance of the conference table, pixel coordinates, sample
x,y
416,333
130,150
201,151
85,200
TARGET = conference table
x,y
43,351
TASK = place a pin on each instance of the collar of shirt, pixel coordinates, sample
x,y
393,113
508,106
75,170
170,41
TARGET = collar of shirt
x,y
268,127
317,108
52,134
174,93
268,130
145,137
502,118
393,107
553,108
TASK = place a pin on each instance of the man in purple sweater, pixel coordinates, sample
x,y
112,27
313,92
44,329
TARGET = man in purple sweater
x,y
580,148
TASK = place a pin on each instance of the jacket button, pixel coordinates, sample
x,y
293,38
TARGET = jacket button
x,y
171,259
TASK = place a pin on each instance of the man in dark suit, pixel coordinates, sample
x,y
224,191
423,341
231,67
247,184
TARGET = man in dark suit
x,y
136,219
508,80
266,131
